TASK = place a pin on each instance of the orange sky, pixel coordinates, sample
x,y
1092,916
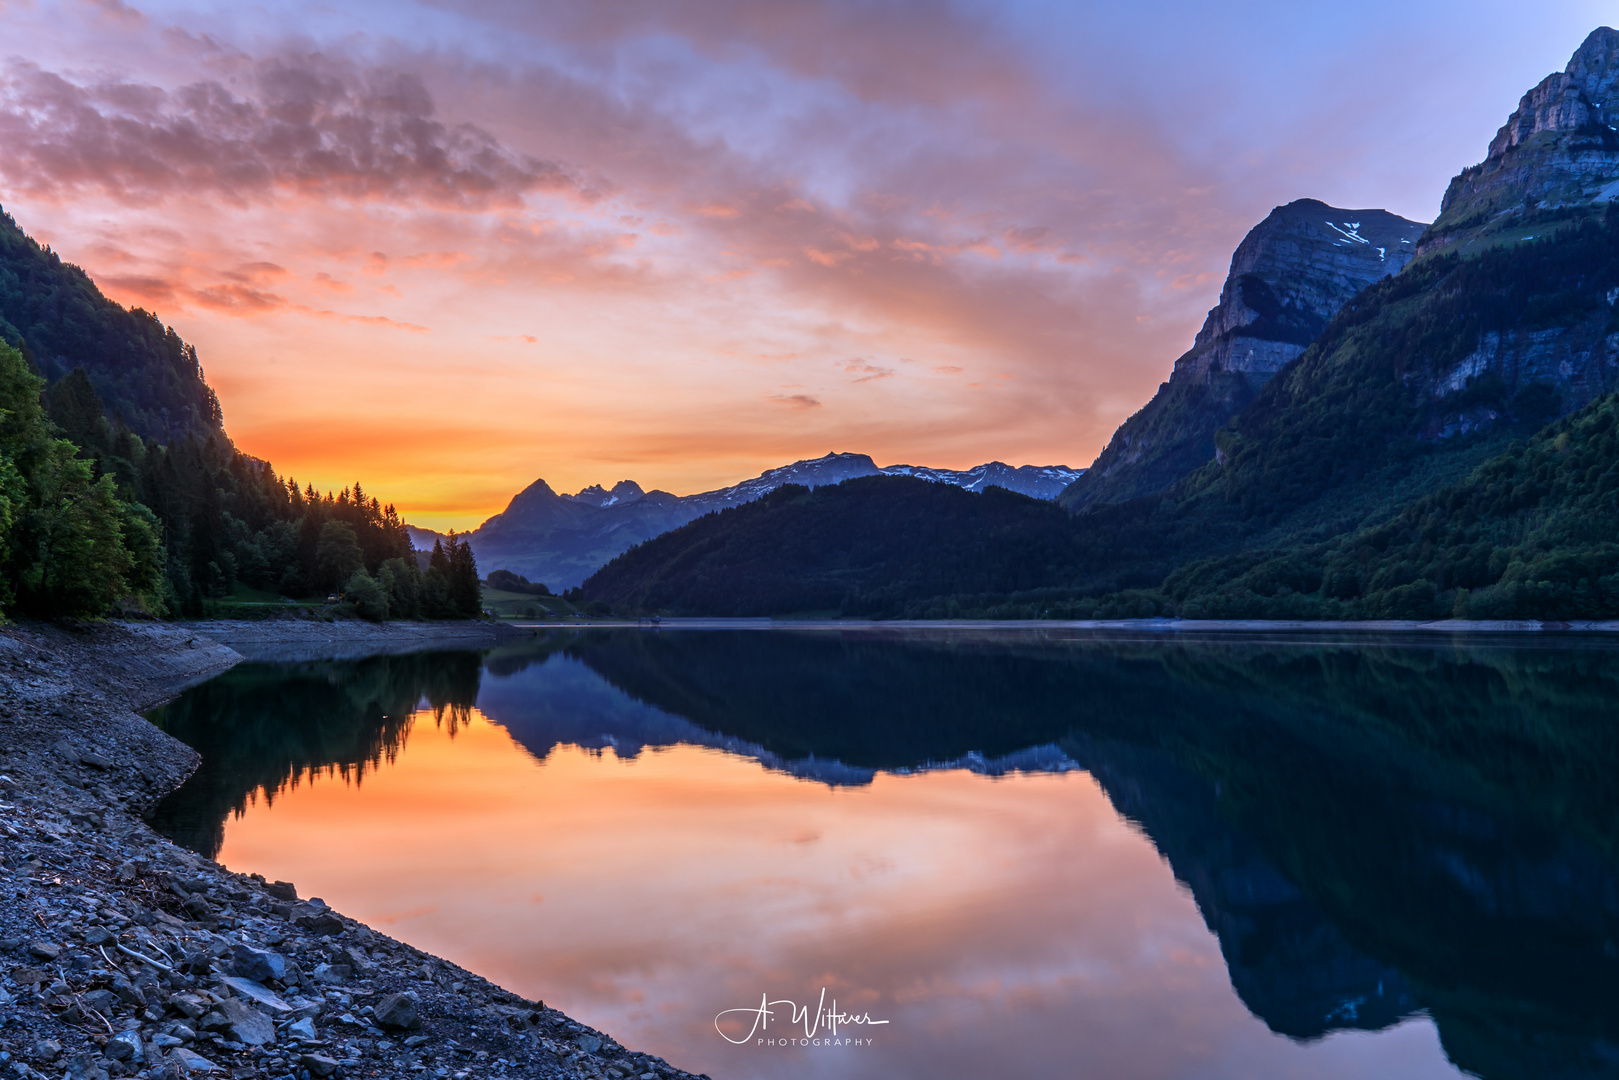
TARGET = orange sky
x,y
447,249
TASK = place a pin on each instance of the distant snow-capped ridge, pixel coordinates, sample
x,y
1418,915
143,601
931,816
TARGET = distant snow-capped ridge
x,y
1037,481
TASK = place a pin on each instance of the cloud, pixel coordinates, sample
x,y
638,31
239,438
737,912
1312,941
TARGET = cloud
x,y
311,124
797,401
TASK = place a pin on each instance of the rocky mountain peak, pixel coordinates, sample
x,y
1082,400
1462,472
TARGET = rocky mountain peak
x,y
1559,150
625,491
1595,68
1290,274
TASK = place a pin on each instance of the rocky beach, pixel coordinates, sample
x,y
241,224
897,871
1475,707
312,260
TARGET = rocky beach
x,y
123,954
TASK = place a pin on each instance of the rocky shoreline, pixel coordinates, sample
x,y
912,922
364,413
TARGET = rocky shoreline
x,y
122,954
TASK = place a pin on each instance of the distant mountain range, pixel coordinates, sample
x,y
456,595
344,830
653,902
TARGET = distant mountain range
x,y
1356,433
561,539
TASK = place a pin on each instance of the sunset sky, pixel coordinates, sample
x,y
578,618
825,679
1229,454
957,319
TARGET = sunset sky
x,y
447,248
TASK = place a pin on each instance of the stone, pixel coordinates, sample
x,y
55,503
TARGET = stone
x,y
96,761
317,919
397,1012
588,1043
102,1001
318,1064
189,1061
358,960
44,950
27,976
303,1029
258,992
98,935
258,964
46,1050
282,890
188,1005
85,1067
166,1042
126,1046
246,1024
332,974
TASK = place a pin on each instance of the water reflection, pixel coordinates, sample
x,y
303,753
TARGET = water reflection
x,y
1371,830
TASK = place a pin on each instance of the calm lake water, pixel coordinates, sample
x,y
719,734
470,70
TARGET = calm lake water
x,y
1029,853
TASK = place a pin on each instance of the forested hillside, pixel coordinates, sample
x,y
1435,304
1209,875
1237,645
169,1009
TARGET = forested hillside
x,y
119,489
52,311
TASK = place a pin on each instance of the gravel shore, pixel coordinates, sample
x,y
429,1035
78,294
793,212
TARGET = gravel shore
x,y
122,954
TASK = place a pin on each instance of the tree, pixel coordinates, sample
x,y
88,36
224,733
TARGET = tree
x,y
337,554
367,595
69,547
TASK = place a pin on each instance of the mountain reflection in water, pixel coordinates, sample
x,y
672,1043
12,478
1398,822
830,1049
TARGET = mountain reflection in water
x,y
1370,828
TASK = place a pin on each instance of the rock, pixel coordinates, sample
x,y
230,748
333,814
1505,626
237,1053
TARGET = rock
x,y
246,1024
258,964
46,1050
332,974
102,1001
27,976
359,961
85,1067
98,935
125,1046
166,1042
66,751
44,950
397,1012
259,993
318,1064
96,761
317,919
588,1043
282,890
304,1029
188,1005
189,1061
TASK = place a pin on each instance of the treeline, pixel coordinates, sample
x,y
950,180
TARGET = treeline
x,y
97,517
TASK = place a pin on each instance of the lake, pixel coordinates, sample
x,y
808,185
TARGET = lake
x,y
1016,853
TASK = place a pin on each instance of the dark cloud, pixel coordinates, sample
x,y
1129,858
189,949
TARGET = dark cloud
x,y
309,124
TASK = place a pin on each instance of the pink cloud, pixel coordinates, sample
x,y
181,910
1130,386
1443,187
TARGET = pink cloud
x,y
312,124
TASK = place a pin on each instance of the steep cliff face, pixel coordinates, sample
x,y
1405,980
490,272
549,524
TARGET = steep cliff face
x,y
1289,275
1557,154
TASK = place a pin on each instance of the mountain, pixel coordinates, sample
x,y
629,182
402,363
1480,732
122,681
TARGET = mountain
x,y
140,369
1557,154
1289,275
1400,466
561,539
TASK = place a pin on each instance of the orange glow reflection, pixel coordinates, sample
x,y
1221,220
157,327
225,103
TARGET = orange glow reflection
x,y
1004,927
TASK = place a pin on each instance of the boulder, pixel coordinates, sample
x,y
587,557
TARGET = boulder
x,y
246,1024
397,1012
259,965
